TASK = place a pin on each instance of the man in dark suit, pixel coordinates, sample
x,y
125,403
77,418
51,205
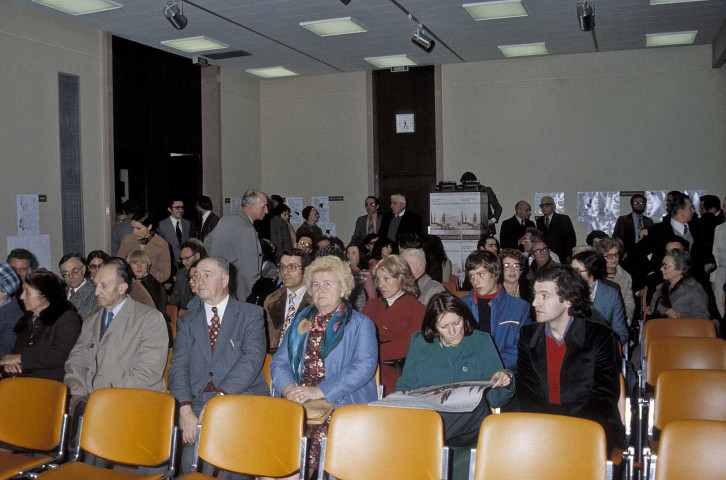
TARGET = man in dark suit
x,y
219,349
368,223
631,229
207,218
176,230
557,228
494,208
80,290
566,363
399,220
514,228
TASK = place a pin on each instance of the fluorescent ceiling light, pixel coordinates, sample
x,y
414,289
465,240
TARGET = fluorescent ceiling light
x,y
524,50
496,9
670,38
194,44
667,2
271,72
333,26
389,61
80,7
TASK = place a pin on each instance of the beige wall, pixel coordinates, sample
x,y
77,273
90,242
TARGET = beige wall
x,y
241,145
315,142
630,120
35,48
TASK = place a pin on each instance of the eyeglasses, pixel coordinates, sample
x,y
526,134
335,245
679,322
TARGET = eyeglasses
x,y
638,203
178,207
72,273
665,266
541,250
95,266
542,205
304,244
612,256
511,266
292,267
369,204
187,257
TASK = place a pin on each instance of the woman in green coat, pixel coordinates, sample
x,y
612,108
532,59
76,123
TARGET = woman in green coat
x,y
450,349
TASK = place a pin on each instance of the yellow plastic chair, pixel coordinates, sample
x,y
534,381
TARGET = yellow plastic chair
x,y
690,449
253,435
124,425
34,420
367,442
676,327
571,448
684,353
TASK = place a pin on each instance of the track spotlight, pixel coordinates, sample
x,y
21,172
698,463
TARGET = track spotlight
x,y
345,2
175,14
423,41
586,17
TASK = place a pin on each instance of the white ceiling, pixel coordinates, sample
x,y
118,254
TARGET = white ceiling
x,y
620,25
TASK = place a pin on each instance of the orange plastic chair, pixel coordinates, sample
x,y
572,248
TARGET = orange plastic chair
x,y
452,285
367,442
173,313
461,294
684,353
124,425
676,327
692,449
253,435
33,419
575,448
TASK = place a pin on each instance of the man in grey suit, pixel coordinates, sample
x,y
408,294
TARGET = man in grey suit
x,y
175,229
235,239
80,290
428,287
219,349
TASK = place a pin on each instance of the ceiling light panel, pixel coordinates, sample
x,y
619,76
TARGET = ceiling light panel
x,y
390,61
670,38
80,7
668,2
333,26
524,50
496,9
271,72
194,44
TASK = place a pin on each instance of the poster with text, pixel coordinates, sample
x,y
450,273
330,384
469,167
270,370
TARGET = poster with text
x,y
296,208
235,206
328,229
28,217
599,210
322,205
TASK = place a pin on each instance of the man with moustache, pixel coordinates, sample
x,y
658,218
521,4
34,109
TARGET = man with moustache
x,y
368,223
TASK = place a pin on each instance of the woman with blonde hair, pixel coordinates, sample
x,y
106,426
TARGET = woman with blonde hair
x,y
140,264
397,315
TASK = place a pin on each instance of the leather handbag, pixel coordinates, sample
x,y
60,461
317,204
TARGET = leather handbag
x,y
317,411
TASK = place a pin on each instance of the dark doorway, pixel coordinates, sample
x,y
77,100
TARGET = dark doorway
x,y
157,127
405,162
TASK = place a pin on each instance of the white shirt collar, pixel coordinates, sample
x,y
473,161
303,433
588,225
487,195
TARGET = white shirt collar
x,y
68,292
299,294
221,307
118,307
402,212
678,226
205,215
390,301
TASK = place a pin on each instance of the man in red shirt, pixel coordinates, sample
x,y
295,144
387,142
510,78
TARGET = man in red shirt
x,y
567,364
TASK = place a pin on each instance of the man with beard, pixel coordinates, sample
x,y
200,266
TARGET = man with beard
x,y
631,229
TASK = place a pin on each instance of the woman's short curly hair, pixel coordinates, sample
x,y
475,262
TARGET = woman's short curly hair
x,y
515,254
334,265
607,244
398,268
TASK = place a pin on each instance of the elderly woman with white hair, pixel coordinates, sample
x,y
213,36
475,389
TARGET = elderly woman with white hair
x,y
680,295
329,352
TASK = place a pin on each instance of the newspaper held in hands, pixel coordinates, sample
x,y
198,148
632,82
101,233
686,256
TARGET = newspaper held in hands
x,y
450,398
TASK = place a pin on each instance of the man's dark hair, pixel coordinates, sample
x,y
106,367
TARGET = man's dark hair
x,y
175,198
440,304
204,202
409,240
678,239
296,252
123,270
68,256
129,207
300,235
280,209
710,201
678,202
637,196
23,254
590,239
570,287
375,199
196,246
593,262
482,243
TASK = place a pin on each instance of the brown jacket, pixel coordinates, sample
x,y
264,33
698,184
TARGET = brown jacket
x,y
158,251
274,307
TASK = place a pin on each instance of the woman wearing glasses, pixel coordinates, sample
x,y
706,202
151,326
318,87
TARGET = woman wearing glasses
x,y
514,283
612,249
680,295
495,311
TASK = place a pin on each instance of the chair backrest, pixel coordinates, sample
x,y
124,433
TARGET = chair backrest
x,y
266,370
367,442
255,435
452,285
572,448
461,294
692,449
128,425
33,412
684,353
690,395
173,312
166,370
676,327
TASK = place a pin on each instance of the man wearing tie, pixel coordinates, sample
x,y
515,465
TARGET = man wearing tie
x,y
219,349
80,291
514,228
207,218
631,229
368,223
557,228
175,230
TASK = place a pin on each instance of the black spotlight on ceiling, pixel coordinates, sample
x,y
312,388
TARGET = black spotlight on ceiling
x,y
423,41
587,20
175,14
345,2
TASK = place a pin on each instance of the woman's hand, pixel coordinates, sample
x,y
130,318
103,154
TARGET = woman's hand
x,y
672,313
502,378
11,363
303,394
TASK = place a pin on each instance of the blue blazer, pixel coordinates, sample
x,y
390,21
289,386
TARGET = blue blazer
x,y
609,304
508,315
349,369
235,366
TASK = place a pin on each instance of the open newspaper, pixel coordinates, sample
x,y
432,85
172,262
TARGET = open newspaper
x,y
452,398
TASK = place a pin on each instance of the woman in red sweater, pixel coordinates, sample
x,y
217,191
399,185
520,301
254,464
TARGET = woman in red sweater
x,y
397,315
